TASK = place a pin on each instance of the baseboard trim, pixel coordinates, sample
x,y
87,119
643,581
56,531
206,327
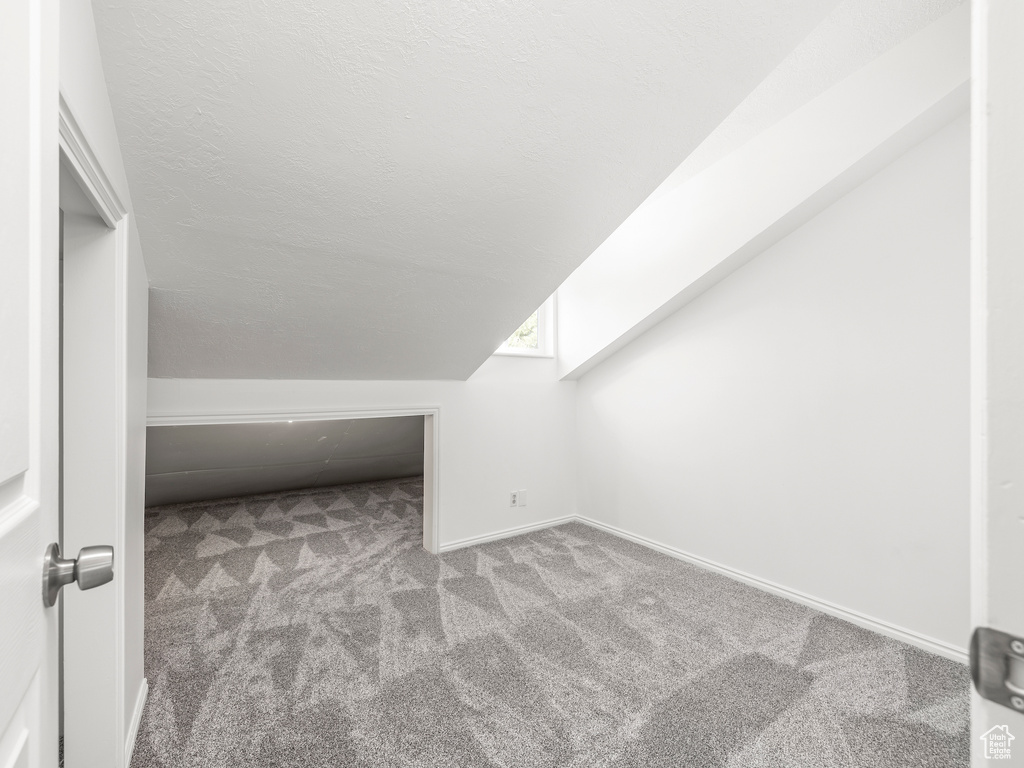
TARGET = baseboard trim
x,y
505,533
916,639
133,728
930,644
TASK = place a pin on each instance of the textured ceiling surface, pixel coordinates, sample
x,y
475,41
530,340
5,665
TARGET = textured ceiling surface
x,y
854,34
385,190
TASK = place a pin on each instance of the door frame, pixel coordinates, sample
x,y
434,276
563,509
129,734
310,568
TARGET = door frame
x,y
997,341
80,159
431,444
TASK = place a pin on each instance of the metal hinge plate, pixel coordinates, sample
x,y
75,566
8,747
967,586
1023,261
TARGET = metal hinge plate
x,y
997,667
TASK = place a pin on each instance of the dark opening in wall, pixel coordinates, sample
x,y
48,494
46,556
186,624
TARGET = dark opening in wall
x,y
211,461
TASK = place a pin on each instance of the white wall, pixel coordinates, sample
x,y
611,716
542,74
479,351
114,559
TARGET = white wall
x,y
806,420
83,86
511,426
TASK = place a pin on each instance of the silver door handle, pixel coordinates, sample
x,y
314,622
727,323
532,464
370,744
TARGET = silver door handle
x,y
93,567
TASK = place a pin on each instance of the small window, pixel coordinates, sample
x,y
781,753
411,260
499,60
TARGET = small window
x,y
535,337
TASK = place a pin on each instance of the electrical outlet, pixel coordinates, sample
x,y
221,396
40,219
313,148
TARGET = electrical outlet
x,y
513,500
522,498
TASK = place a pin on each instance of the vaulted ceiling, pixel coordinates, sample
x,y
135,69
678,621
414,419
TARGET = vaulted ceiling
x,y
365,190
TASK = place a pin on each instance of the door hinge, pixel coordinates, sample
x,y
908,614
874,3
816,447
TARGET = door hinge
x,y
997,667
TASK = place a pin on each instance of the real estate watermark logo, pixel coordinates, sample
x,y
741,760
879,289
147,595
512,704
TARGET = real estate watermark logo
x,y
997,742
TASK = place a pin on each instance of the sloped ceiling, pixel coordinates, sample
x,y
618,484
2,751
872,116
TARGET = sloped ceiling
x,y
365,190
855,33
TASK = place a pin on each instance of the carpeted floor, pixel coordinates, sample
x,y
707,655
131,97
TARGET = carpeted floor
x,y
310,629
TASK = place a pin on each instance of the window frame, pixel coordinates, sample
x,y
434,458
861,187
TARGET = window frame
x,y
545,335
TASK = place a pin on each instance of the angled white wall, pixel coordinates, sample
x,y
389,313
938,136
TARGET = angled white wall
x,y
686,238
806,420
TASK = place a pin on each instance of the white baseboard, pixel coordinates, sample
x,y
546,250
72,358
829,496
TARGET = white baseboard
x,y
929,644
133,728
505,533
910,637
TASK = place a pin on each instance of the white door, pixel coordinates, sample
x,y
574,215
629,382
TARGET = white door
x,y
28,379
998,372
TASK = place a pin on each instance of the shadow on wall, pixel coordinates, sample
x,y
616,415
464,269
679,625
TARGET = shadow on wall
x,y
210,461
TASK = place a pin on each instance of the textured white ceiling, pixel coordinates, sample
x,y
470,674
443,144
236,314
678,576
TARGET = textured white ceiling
x,y
385,190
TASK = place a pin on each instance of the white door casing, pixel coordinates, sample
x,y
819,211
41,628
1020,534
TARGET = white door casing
x,y
997,345
94,452
28,378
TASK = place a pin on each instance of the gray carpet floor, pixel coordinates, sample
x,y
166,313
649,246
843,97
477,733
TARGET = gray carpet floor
x,y
310,629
